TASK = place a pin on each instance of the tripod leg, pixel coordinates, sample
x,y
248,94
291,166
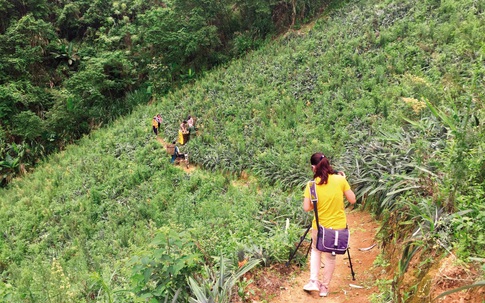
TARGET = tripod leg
x,y
309,247
302,238
350,262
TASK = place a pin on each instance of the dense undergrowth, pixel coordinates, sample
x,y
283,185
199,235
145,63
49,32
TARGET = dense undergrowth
x,y
99,211
391,91
68,67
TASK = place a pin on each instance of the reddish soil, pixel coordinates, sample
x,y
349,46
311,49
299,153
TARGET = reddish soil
x,y
182,165
282,284
451,274
363,231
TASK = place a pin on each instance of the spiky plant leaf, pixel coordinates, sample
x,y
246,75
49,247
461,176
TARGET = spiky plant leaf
x,y
449,292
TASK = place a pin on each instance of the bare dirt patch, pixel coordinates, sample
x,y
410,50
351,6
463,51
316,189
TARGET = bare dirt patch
x,y
188,169
452,274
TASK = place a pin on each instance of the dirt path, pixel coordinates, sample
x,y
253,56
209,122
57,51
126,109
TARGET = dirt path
x,y
447,275
184,167
363,231
285,285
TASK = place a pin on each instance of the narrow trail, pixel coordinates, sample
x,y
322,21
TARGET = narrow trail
x,y
186,169
363,231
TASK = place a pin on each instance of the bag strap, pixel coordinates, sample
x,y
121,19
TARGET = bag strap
x,y
314,199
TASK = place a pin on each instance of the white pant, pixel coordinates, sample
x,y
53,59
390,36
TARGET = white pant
x,y
315,261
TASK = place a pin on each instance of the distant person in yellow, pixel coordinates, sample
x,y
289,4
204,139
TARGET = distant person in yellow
x,y
183,131
155,125
331,187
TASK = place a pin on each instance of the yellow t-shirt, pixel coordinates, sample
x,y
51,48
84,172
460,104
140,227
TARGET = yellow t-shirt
x,y
155,123
331,210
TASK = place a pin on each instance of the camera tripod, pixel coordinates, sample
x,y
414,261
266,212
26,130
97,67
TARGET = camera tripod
x,y
302,238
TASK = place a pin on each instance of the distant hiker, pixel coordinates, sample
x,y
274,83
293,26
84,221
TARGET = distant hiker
x,y
190,121
171,151
155,125
191,125
183,133
176,152
159,120
330,190
183,127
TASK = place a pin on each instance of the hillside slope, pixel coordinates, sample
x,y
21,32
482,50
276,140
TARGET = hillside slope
x,y
390,91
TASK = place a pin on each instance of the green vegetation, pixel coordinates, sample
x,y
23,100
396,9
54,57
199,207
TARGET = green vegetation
x,y
391,91
113,214
68,67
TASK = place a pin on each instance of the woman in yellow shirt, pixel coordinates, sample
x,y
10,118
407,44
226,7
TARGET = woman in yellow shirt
x,y
155,125
183,132
331,187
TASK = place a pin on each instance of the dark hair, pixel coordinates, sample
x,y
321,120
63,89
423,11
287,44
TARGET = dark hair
x,y
322,167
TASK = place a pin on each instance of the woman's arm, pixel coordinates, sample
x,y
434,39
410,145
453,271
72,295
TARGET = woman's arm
x,y
349,194
307,204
